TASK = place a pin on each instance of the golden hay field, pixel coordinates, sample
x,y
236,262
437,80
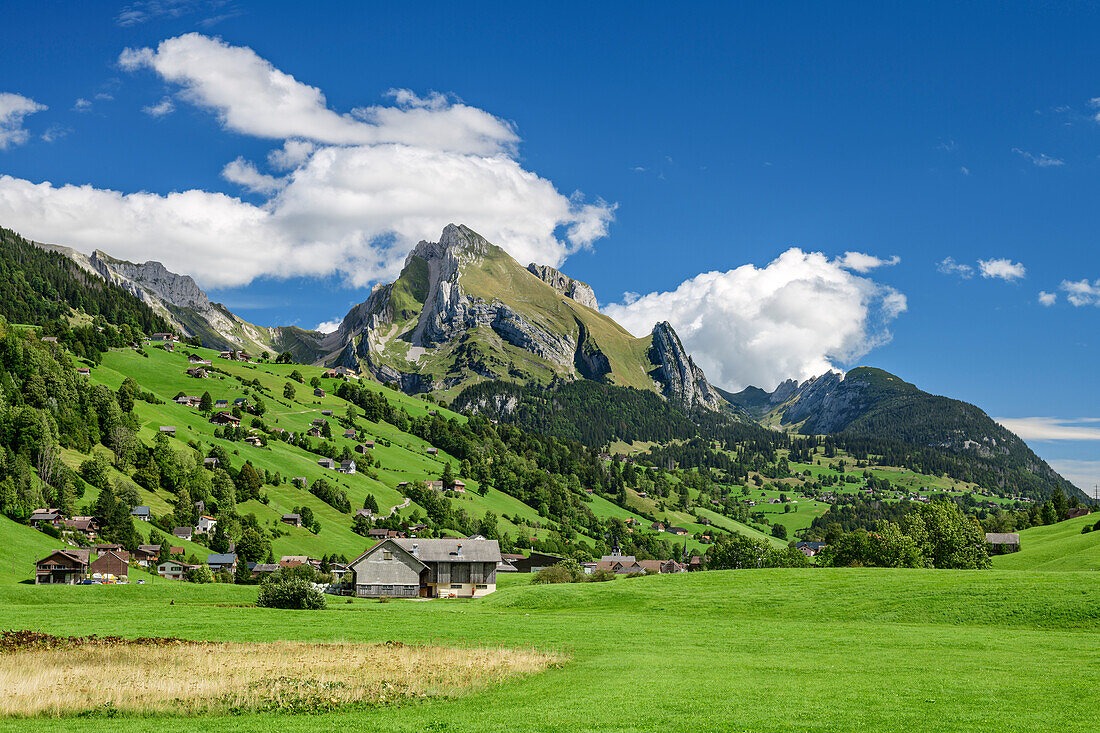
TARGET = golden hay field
x,y
193,678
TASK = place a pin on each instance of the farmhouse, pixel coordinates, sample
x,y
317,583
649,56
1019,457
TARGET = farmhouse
x,y
221,404
210,462
39,517
532,563
61,567
206,524
86,526
289,561
174,569
326,463
350,433
427,568
294,520
1003,542
163,337
141,513
318,392
225,418
222,561
347,467
169,430
183,533
109,564
196,372
84,371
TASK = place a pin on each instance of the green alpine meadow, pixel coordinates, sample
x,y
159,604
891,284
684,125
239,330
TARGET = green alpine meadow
x,y
607,367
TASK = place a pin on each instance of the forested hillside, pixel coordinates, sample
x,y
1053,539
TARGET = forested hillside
x,y
38,286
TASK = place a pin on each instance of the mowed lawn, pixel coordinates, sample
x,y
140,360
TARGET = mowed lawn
x,y
766,650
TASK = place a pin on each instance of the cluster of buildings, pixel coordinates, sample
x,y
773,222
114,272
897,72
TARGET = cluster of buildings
x,y
74,566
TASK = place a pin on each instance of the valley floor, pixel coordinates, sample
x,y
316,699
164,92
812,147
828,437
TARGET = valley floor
x,y
806,650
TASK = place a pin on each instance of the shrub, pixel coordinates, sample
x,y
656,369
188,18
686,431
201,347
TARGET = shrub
x,y
601,575
566,571
292,593
201,574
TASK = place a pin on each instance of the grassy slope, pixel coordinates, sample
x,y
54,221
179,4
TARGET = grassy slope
x,y
808,650
1056,547
405,459
501,277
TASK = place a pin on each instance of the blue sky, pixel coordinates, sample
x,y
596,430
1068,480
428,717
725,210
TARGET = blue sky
x,y
703,140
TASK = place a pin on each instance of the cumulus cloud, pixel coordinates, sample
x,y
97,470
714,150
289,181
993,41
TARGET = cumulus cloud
x,y
164,107
1041,160
799,316
1002,268
860,262
327,326
354,192
1082,292
948,266
1053,428
245,174
251,96
1047,299
13,108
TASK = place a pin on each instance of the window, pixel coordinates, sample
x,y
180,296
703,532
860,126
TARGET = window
x,y
481,587
387,555
456,585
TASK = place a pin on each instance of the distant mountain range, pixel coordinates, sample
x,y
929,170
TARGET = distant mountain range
x,y
463,313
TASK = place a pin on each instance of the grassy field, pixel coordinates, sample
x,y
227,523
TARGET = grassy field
x,y
807,650
1058,546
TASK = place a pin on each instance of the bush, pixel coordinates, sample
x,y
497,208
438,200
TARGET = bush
x,y
201,574
601,575
291,593
566,571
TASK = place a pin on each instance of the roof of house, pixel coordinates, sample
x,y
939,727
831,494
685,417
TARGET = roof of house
x,y
139,511
446,550
1002,538
292,516
221,558
80,555
180,531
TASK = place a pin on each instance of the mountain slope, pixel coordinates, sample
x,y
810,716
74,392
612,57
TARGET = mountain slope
x,y
186,308
872,406
40,286
464,311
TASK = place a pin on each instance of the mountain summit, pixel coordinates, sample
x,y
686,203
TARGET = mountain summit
x,y
464,311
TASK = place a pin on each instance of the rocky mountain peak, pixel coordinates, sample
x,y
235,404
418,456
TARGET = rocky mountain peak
x,y
567,286
681,380
150,278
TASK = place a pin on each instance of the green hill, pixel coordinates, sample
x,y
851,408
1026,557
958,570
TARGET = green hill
x,y
1059,546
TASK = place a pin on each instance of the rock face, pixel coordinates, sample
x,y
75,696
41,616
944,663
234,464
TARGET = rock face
x,y
827,403
151,279
681,381
567,286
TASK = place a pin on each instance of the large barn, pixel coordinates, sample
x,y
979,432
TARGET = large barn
x,y
427,568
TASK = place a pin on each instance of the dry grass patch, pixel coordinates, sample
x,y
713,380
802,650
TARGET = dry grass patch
x,y
89,676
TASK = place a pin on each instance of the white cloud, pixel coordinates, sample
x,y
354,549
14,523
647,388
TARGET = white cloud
x,y
292,155
1082,292
797,317
244,173
327,326
251,96
1047,299
352,209
1002,268
1053,428
1084,474
13,108
948,266
144,11
964,170
860,262
1041,160
82,105
164,107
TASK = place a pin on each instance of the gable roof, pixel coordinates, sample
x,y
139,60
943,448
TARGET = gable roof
x,y
221,558
446,550
392,543
1002,538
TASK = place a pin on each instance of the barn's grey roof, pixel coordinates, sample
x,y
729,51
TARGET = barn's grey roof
x,y
1002,538
447,550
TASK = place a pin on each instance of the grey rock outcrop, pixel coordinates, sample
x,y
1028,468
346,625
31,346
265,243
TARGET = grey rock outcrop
x,y
681,381
567,286
151,279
